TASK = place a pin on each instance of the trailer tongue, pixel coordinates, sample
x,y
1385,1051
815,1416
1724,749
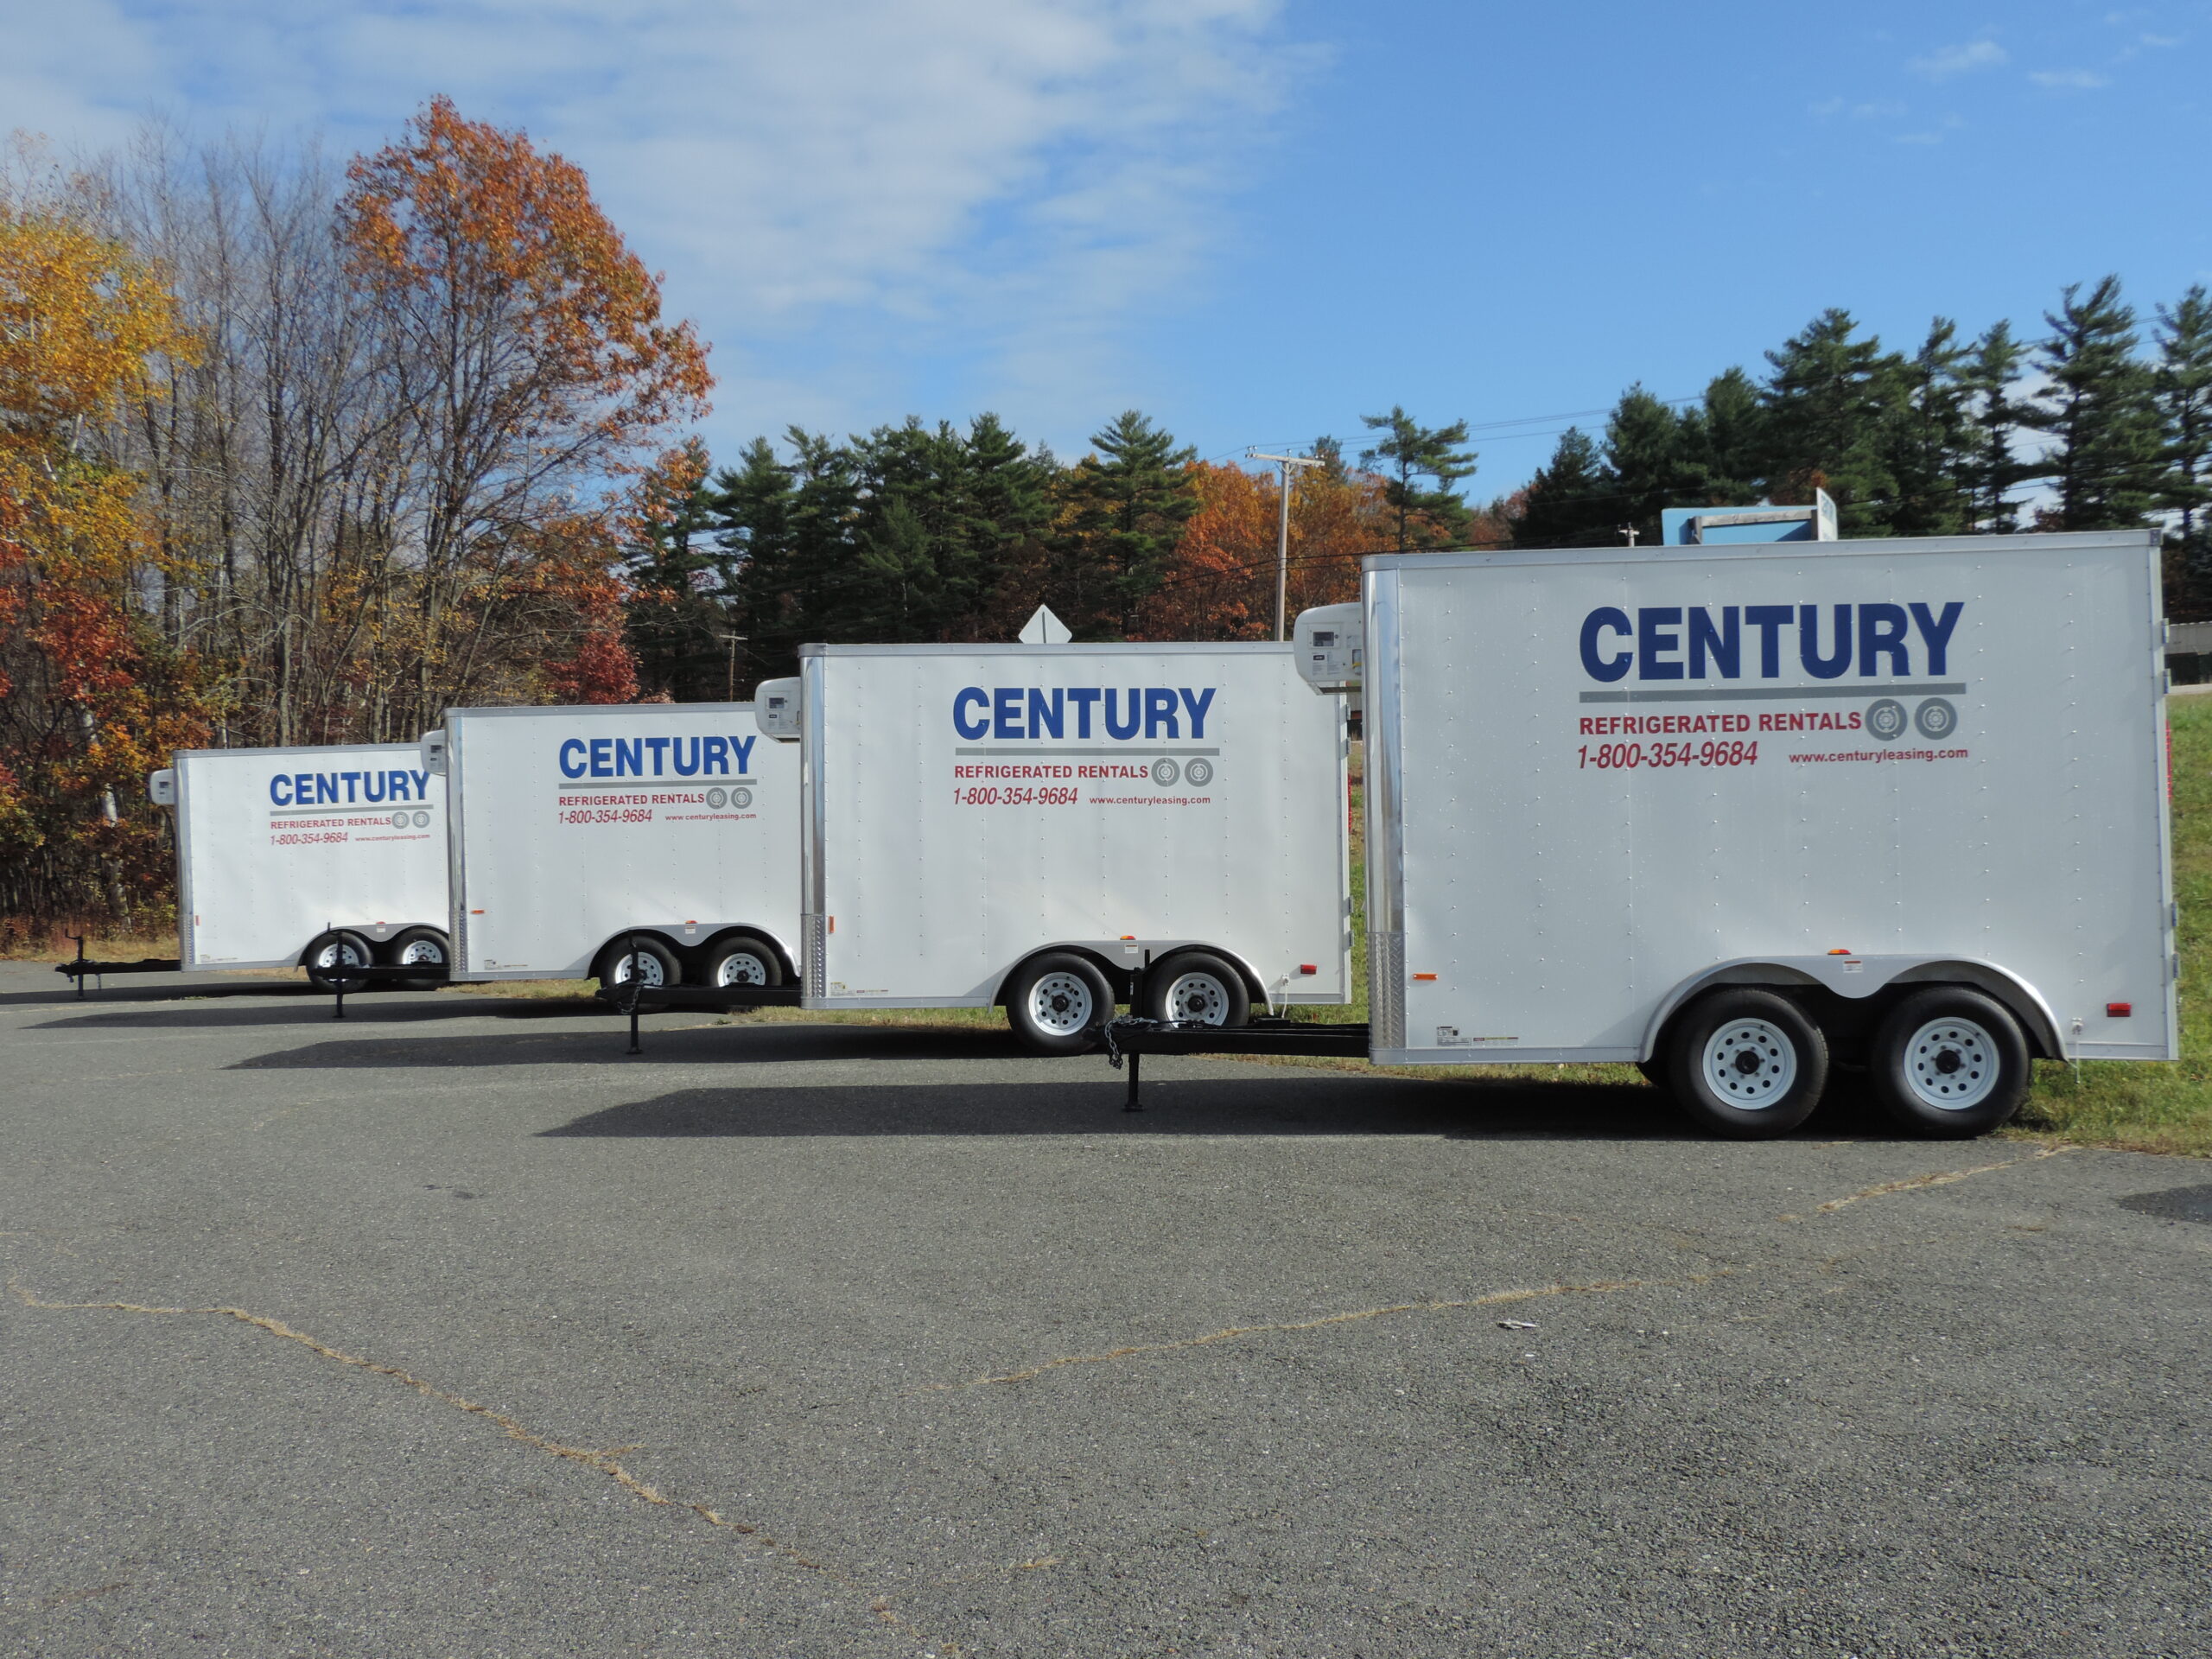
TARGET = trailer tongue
x,y
1132,1039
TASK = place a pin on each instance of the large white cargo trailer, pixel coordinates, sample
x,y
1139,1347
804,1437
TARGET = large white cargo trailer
x,y
1733,812
324,858
588,838
1058,827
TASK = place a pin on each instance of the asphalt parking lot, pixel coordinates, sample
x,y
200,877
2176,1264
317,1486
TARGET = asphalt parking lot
x,y
453,1330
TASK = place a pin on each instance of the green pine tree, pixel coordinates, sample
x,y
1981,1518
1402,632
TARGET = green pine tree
x,y
785,528
2181,385
1723,442
1124,508
1990,471
1646,452
942,516
1572,501
677,619
2104,466
1410,452
1930,442
1826,406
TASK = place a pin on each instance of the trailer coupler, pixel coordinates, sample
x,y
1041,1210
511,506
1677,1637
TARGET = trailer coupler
x,y
83,968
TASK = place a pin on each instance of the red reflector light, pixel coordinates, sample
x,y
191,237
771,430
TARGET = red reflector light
x,y
1307,968
2119,1010
1424,976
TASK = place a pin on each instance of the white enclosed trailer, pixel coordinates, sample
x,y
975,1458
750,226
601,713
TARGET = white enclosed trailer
x,y
1730,811
1058,827
582,833
321,858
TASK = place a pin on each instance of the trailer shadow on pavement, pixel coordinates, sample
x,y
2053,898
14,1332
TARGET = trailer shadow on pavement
x,y
368,1009
1270,1102
681,1046
63,995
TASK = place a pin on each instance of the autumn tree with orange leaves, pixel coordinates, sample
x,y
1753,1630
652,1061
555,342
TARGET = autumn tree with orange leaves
x,y
523,349
1221,582
297,454
89,697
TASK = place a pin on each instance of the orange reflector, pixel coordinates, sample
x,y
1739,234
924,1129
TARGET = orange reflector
x,y
833,925
1424,976
1839,953
1129,936
2119,1010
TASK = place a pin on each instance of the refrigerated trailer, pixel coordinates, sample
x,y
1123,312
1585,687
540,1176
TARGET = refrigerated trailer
x,y
1746,815
657,839
1060,828
326,858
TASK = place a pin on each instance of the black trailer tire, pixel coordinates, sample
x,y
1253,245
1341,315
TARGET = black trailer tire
x,y
657,967
328,954
1058,1002
420,946
1950,1063
1195,987
740,963
1746,1063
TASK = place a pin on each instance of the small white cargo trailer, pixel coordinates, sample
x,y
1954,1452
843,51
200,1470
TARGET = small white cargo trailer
x,y
1060,828
1736,812
323,858
596,839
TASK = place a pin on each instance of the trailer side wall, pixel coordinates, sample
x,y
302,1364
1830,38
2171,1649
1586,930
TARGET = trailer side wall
x,y
571,824
973,805
276,845
1601,774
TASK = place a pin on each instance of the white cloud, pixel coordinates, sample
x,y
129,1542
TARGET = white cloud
x,y
2071,81
854,184
1949,60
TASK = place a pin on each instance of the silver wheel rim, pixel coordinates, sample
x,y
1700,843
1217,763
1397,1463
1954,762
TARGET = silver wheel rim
x,y
647,968
422,953
1198,999
339,954
1951,1064
1751,1063
740,967
1060,1005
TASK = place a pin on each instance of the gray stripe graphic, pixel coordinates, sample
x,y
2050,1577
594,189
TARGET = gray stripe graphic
x,y
1780,693
1117,750
653,783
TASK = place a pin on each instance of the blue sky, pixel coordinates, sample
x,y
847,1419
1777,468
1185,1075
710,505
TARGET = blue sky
x,y
1254,219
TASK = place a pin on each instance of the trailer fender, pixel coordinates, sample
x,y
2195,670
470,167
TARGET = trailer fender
x,y
1122,976
1858,977
1116,974
603,959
